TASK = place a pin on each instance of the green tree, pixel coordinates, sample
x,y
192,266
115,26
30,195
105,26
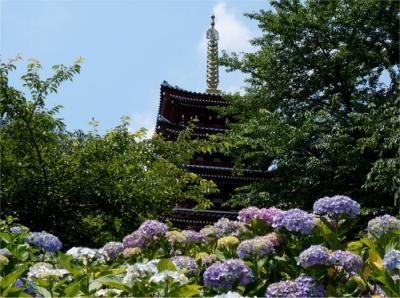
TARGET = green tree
x,y
321,102
85,187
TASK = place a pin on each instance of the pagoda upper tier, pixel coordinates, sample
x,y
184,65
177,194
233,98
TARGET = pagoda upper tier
x,y
178,106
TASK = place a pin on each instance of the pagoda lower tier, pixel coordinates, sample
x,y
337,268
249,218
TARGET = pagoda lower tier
x,y
177,107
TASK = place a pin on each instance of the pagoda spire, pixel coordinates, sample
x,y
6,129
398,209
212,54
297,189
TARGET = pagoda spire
x,y
212,59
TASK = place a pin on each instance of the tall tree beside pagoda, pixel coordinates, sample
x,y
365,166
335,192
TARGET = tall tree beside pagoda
x,y
322,108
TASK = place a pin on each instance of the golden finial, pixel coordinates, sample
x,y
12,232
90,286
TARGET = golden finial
x,y
212,58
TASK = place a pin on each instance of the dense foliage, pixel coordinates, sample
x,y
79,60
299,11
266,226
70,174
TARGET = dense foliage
x,y
321,108
269,252
85,187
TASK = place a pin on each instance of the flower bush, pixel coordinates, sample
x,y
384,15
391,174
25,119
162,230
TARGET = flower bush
x,y
267,252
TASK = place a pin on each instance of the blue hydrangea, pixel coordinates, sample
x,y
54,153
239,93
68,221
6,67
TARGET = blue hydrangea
x,y
44,240
314,255
347,260
259,246
186,263
225,275
336,205
16,230
391,260
303,286
295,220
193,236
380,225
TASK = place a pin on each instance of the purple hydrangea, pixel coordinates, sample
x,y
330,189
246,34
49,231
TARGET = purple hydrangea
x,y
314,255
391,260
380,225
259,246
44,240
148,231
268,214
113,249
347,260
193,236
295,220
185,262
247,214
135,239
336,205
153,228
225,226
225,275
265,214
303,286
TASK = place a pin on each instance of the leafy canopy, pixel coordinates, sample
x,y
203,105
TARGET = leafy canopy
x,y
322,103
86,187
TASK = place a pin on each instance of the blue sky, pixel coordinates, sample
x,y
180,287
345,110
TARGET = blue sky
x,y
129,47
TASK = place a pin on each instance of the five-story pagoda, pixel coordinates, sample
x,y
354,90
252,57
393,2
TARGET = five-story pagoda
x,y
177,107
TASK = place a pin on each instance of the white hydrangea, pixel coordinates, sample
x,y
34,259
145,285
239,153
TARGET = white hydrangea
x,y
140,270
108,293
165,275
45,270
85,253
230,294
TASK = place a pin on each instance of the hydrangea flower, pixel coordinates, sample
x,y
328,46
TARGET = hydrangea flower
x,y
16,230
148,231
225,226
265,214
185,262
85,254
230,294
174,276
336,205
247,214
209,231
113,249
391,260
108,293
175,237
44,240
228,242
140,270
259,246
303,286
205,258
45,270
135,239
225,275
152,229
295,220
268,214
314,255
380,225
275,238
193,236
5,253
347,260
131,252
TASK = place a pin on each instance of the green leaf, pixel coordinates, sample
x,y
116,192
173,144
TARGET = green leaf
x,y
166,264
73,289
11,278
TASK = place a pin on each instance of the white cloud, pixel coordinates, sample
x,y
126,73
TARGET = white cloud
x,y
234,35
146,120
